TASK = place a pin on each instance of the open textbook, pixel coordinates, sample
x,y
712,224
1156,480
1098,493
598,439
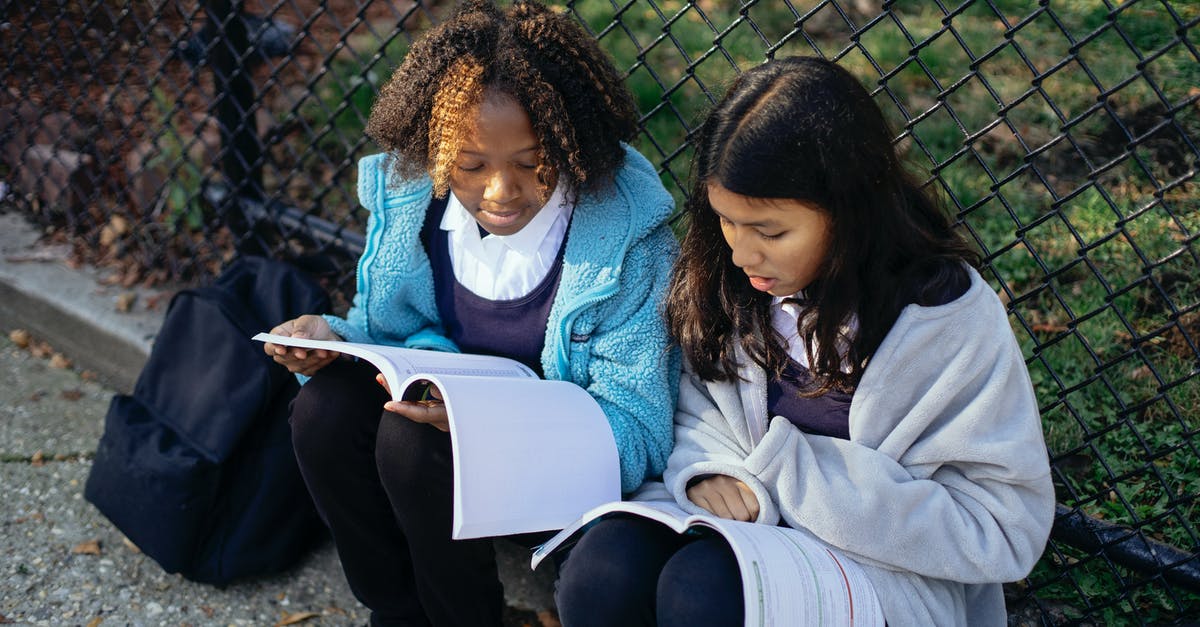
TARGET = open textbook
x,y
529,454
788,577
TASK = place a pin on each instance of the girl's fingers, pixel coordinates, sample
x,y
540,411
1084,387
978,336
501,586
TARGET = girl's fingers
x,y
737,507
714,502
749,501
428,412
704,503
731,504
725,497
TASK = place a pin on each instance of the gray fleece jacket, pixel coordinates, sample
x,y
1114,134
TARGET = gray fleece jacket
x,y
943,489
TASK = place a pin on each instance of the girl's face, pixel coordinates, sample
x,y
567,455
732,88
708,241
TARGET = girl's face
x,y
495,173
780,243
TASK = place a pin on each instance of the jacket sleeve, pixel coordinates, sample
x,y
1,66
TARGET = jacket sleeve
x,y
712,438
947,475
393,300
633,369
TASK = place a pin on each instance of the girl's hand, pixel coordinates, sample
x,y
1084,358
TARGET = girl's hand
x,y
725,497
429,410
305,361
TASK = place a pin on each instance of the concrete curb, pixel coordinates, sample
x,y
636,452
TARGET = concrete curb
x,y
73,307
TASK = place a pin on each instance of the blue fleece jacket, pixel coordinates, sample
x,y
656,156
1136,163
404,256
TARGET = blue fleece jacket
x,y
606,332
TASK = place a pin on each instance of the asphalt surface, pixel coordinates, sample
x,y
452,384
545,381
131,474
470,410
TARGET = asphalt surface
x,y
61,561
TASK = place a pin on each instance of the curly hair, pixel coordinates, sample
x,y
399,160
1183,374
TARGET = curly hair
x,y
576,100
804,128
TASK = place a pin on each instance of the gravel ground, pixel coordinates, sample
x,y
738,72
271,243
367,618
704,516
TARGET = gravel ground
x,y
63,563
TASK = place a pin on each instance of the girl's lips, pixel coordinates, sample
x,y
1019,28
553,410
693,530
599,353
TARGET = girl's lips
x,y
762,284
500,219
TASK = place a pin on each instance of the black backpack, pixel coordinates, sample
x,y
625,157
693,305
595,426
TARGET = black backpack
x,y
196,466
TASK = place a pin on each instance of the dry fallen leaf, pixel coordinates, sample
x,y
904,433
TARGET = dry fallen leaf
x,y
40,349
60,361
38,459
133,274
133,547
35,517
94,622
72,395
549,618
125,301
108,235
119,224
157,300
298,617
91,547
20,337
4,620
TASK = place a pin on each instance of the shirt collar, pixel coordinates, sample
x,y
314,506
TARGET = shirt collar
x,y
785,316
789,305
526,241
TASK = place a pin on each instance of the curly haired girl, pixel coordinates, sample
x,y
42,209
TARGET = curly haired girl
x,y
848,373
507,218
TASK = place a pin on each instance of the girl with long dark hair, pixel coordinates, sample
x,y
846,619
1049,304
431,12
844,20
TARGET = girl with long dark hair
x,y
848,373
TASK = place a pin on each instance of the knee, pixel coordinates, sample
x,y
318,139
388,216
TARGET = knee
x,y
328,417
312,420
606,579
413,460
701,585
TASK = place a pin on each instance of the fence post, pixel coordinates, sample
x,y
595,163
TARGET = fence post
x,y
242,159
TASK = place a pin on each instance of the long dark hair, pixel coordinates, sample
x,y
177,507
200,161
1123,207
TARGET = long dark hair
x,y
803,128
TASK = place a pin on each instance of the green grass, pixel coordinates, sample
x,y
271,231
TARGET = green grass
x,y
182,177
1107,349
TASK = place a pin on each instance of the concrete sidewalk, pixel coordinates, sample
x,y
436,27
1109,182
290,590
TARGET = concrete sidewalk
x,y
61,561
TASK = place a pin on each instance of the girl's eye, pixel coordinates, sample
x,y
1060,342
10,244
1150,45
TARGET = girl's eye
x,y
471,168
772,236
527,166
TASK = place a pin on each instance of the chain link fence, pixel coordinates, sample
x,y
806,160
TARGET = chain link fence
x,y
160,139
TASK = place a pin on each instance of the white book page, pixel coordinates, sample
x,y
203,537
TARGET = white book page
x,y
665,512
529,454
790,578
397,363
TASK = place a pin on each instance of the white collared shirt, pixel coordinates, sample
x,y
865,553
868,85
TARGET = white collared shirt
x,y
506,267
785,317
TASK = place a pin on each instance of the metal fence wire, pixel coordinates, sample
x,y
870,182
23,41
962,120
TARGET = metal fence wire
x,y
161,138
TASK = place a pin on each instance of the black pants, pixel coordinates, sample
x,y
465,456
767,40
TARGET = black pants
x,y
384,486
631,571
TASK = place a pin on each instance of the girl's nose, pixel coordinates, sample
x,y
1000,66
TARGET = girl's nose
x,y
742,249
501,188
